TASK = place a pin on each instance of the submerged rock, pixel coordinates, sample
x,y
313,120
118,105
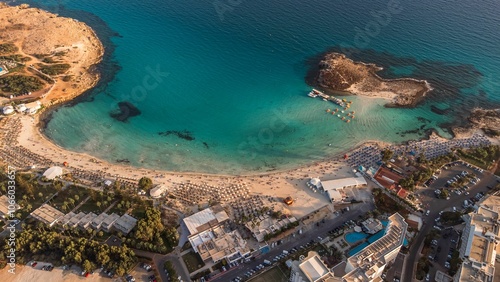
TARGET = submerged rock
x,y
186,135
125,111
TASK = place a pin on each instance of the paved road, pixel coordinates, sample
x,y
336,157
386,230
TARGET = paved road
x,y
436,205
159,260
306,237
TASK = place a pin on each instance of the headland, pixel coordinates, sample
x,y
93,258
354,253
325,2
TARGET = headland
x,y
56,54
338,73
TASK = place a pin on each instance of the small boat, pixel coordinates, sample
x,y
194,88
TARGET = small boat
x,y
352,117
324,99
348,120
312,94
328,110
338,115
342,111
343,118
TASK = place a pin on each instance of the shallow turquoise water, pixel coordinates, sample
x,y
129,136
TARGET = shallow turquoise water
x,y
236,83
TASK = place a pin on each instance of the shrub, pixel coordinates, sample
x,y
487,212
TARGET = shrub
x,y
54,69
8,48
20,84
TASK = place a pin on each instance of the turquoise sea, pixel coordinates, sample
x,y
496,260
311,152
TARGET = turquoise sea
x,y
224,81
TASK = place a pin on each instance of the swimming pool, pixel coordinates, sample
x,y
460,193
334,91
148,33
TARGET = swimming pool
x,y
354,237
358,248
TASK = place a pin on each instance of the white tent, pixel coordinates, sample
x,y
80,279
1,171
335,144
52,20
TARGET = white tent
x,y
158,191
316,182
53,172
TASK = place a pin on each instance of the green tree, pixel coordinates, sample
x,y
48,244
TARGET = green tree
x,y
87,266
387,155
145,183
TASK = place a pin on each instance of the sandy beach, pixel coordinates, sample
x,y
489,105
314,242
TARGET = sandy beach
x,y
277,184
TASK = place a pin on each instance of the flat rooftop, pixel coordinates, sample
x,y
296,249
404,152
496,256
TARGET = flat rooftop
x,y
47,214
474,272
314,268
110,219
343,183
217,243
205,219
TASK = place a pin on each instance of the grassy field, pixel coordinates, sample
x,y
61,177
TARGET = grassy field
x,y
274,274
192,261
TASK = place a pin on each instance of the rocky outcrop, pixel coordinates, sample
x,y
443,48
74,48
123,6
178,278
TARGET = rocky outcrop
x,y
339,73
487,120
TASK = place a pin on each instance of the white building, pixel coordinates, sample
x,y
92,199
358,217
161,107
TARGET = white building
x,y
21,108
368,264
109,221
334,188
66,218
211,239
98,220
84,223
47,214
73,222
33,107
8,110
480,239
204,219
311,269
125,224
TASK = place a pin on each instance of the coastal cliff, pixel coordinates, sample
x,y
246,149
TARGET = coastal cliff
x,y
61,51
339,73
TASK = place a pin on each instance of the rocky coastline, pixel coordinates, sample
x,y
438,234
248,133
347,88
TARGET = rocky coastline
x,y
43,37
488,121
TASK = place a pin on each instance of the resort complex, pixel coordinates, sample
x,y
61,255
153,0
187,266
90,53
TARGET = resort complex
x,y
367,265
212,239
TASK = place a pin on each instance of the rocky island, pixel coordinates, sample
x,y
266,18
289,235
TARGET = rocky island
x,y
45,56
339,73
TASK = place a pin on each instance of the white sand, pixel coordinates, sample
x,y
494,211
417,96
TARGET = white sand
x,y
277,184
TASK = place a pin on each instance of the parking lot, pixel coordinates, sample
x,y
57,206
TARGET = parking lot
x,y
433,206
481,182
442,251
